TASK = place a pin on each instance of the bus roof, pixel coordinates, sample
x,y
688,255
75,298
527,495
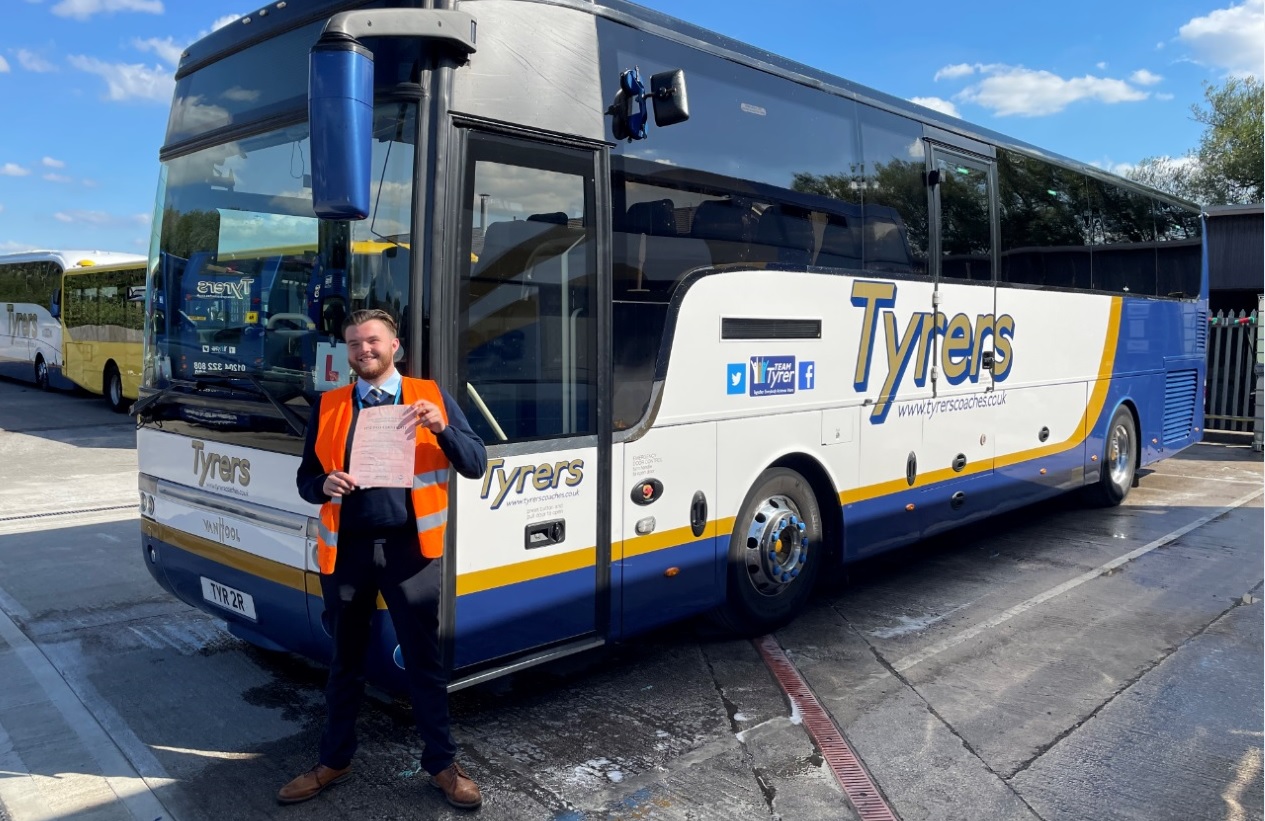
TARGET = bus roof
x,y
251,29
74,259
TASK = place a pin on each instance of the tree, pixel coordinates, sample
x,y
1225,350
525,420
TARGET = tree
x,y
1233,143
1228,166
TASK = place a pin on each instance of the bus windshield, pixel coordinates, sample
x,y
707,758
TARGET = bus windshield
x,y
250,288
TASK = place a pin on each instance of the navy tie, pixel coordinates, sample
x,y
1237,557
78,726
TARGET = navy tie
x,y
374,398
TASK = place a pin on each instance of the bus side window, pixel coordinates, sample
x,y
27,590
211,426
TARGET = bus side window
x,y
723,225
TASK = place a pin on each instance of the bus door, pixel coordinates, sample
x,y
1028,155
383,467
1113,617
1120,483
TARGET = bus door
x,y
532,544
959,424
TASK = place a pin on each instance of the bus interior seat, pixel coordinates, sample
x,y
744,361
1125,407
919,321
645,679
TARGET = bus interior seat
x,y
885,248
653,256
840,245
783,235
722,224
508,246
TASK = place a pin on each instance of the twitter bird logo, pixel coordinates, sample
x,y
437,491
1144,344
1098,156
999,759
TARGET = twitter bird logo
x,y
737,383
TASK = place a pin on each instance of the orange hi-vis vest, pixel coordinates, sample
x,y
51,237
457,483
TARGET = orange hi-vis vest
x,y
430,470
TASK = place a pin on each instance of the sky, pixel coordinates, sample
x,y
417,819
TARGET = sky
x,y
86,84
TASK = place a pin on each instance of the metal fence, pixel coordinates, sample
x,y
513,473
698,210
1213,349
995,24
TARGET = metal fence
x,y
1232,353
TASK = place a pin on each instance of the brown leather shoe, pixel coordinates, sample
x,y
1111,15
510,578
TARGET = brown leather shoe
x,y
459,788
310,784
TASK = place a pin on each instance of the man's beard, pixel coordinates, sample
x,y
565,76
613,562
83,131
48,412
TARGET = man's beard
x,y
370,369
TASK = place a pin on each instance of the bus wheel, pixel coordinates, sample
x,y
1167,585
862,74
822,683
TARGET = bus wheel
x,y
41,372
1119,462
774,554
114,388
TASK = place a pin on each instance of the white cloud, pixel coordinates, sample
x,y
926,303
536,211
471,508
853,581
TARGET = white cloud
x,y
937,104
1143,77
955,71
31,61
89,183
49,162
11,247
1101,65
56,177
4,65
1163,164
84,9
1164,96
238,94
168,50
224,21
89,217
1008,90
128,81
1231,38
12,169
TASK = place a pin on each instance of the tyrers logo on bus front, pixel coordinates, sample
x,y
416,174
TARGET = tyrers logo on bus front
x,y
225,288
210,465
961,347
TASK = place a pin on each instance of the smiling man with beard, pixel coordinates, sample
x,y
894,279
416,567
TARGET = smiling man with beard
x,y
388,541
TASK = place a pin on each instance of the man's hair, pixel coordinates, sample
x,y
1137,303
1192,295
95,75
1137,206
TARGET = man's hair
x,y
368,315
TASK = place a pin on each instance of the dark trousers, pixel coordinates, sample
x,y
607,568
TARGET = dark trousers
x,y
409,584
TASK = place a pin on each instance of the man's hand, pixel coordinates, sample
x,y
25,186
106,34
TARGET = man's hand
x,y
338,483
424,414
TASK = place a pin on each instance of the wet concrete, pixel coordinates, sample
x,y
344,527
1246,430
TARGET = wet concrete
x,y
967,689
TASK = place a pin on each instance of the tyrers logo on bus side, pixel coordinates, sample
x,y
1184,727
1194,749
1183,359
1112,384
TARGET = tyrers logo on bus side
x,y
543,478
961,347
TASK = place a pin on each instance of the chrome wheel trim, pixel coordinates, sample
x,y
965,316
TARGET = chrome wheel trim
x,y
1120,455
776,547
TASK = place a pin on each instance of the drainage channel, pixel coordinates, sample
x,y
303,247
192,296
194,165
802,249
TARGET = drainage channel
x,y
74,512
835,750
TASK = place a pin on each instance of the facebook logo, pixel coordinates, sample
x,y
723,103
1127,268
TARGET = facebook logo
x,y
737,378
807,376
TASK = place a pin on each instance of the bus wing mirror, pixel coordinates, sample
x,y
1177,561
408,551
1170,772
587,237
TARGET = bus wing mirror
x,y
671,103
54,304
340,97
340,109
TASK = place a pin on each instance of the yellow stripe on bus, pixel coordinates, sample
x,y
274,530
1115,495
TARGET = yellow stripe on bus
x,y
480,580
267,569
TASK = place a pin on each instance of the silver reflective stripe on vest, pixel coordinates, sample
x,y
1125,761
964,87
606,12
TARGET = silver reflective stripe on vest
x,y
434,520
327,536
435,477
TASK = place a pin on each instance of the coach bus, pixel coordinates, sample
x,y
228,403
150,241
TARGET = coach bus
x,y
103,318
31,328
726,322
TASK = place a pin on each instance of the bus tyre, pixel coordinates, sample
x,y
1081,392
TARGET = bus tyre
x,y
1119,462
775,552
41,372
113,384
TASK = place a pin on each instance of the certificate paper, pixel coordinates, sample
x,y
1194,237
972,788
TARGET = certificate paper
x,y
382,448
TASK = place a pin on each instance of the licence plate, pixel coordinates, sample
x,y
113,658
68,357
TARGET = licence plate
x,y
230,599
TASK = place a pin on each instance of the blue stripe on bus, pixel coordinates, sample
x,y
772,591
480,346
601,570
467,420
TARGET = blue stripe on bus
x,y
493,623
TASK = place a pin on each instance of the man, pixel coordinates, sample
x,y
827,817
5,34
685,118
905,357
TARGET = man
x,y
385,540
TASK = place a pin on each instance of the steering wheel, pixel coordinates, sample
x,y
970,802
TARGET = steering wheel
x,y
290,322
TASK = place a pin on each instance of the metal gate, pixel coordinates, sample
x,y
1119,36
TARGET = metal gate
x,y
1232,353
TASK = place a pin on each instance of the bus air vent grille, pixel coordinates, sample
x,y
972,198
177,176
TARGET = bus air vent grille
x,y
1180,391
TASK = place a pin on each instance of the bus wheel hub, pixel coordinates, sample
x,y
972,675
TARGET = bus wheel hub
x,y
777,546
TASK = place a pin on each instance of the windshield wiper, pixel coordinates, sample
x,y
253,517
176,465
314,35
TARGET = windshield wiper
x,y
157,397
296,422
